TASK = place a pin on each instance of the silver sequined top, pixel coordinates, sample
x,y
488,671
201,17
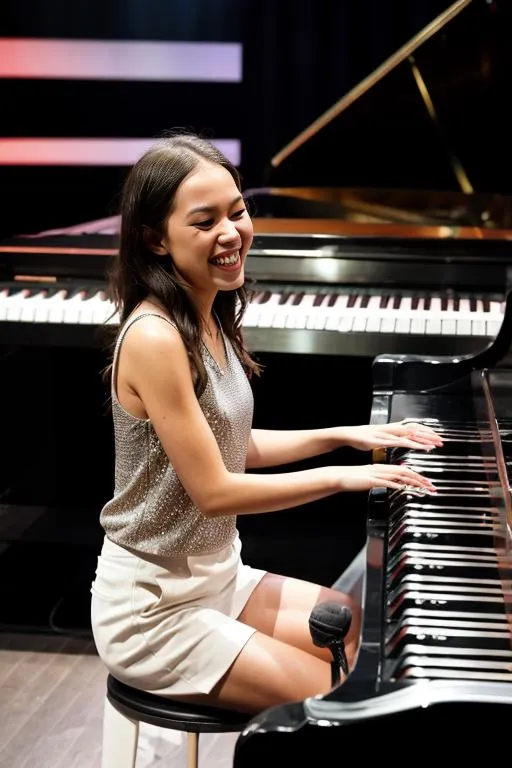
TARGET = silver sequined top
x,y
150,511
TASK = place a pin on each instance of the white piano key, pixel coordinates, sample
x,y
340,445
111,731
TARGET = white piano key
x,y
493,327
56,306
281,312
73,307
294,312
346,322
463,327
332,319
388,325
448,327
418,325
359,324
251,315
4,293
268,309
30,306
403,325
13,304
478,328
433,326
305,308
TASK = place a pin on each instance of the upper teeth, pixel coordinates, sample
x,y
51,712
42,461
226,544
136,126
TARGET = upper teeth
x,y
226,259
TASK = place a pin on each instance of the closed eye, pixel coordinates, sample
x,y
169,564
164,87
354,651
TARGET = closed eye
x,y
207,223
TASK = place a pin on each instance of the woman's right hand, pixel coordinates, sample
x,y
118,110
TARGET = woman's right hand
x,y
367,476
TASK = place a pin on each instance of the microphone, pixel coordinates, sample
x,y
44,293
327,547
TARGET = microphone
x,y
329,623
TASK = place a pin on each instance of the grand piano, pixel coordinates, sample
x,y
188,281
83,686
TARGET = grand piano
x,y
433,675
434,667
394,261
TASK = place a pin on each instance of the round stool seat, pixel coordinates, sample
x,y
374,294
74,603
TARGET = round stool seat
x,y
169,713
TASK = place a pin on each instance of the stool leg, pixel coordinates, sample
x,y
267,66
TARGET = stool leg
x,y
120,737
192,750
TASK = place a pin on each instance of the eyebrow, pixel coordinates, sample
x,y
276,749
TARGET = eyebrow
x,y
210,208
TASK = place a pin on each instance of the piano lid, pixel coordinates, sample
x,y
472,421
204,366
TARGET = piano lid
x,y
420,144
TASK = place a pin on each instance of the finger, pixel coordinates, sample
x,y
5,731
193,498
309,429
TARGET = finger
x,y
425,435
406,476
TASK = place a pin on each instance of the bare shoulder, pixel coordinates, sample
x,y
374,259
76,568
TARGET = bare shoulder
x,y
153,345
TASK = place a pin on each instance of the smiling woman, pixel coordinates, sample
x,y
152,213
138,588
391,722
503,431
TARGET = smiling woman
x,y
175,609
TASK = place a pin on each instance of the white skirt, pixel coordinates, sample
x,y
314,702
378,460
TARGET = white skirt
x,y
170,627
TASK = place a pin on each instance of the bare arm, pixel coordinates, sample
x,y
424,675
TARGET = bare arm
x,y
270,448
156,368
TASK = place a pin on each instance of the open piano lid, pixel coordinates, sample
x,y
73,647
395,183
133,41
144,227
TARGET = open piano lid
x,y
416,149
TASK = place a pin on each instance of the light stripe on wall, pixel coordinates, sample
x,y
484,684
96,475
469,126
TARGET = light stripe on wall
x,y
14,151
120,60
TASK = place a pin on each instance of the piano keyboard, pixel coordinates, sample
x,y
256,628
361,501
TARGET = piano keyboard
x,y
449,572
338,310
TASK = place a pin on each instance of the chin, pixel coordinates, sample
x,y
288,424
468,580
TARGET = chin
x,y
232,284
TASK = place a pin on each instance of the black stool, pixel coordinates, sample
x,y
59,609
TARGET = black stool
x,y
126,707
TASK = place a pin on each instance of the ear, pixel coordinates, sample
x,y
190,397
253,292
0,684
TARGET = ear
x,y
154,242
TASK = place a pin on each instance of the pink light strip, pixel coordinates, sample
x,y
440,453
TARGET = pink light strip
x,y
120,60
107,152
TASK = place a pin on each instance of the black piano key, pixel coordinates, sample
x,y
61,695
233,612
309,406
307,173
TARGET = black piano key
x,y
397,299
384,300
473,306
365,300
411,666
333,297
318,299
450,604
446,638
398,553
297,298
415,300
283,298
430,566
427,301
351,301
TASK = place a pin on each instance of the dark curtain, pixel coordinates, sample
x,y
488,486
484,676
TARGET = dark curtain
x,y
302,57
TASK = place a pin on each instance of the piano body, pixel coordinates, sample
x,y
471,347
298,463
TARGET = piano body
x,y
435,659
335,290
434,668
388,263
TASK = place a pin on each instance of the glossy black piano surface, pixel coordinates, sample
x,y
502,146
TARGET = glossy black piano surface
x,y
436,646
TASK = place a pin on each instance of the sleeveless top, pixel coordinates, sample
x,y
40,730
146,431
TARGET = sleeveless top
x,y
150,511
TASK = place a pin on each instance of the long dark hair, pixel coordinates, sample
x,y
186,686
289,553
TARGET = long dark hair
x,y
146,202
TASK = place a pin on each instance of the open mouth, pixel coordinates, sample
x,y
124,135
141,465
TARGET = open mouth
x,y
229,263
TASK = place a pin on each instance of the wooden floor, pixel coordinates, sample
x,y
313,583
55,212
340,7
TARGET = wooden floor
x,y
52,689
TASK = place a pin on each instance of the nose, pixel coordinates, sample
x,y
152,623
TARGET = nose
x,y
228,231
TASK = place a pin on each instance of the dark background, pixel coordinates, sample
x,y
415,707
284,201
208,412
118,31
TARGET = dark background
x,y
299,58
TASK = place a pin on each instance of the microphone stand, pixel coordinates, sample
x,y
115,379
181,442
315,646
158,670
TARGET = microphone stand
x,y
339,662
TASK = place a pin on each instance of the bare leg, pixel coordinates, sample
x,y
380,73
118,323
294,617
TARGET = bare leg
x,y
280,607
279,663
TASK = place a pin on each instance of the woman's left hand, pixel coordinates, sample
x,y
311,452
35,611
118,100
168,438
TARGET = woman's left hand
x,y
397,434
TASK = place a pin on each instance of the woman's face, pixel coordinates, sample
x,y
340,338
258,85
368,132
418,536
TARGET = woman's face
x,y
209,231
